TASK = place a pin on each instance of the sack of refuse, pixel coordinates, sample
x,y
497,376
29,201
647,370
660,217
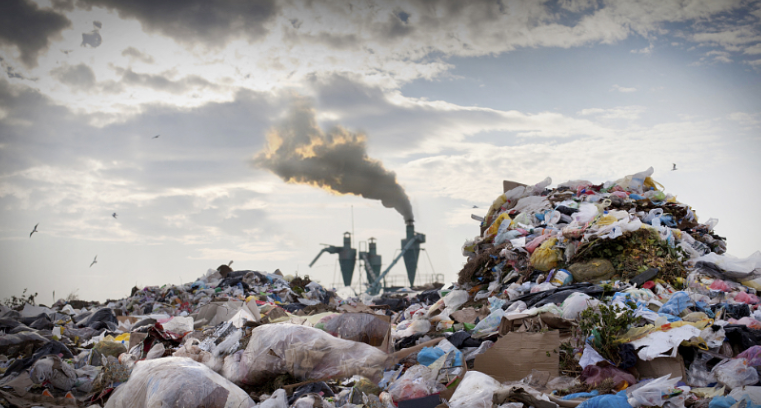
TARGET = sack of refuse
x,y
475,391
305,353
177,382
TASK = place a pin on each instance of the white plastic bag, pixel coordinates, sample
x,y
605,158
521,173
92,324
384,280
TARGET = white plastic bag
x,y
475,391
177,382
576,303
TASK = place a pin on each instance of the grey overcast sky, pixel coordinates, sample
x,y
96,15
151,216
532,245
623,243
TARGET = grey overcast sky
x,y
450,97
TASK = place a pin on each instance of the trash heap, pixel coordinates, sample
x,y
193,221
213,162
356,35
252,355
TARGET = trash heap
x,y
589,295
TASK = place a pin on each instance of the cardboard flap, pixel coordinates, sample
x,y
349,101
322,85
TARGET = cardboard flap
x,y
513,356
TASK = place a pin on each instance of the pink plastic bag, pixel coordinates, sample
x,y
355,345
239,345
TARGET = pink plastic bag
x,y
746,298
720,285
753,355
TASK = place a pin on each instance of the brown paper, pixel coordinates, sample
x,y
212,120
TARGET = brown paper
x,y
513,356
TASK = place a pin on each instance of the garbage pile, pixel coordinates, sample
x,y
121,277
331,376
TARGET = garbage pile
x,y
589,295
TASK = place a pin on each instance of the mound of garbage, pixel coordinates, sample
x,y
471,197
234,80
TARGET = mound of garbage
x,y
589,295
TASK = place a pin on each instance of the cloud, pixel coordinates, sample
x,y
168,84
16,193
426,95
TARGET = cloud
x,y
619,88
191,21
746,119
624,112
162,82
28,28
78,76
138,55
647,50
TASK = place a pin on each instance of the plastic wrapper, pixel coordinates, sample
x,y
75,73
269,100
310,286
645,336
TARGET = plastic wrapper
x,y
177,382
607,401
305,353
735,373
475,391
677,303
488,325
362,327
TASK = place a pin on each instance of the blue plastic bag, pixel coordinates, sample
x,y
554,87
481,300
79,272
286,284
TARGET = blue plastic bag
x,y
607,401
677,303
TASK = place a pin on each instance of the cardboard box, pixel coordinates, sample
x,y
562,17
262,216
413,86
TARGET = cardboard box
x,y
514,355
508,185
658,367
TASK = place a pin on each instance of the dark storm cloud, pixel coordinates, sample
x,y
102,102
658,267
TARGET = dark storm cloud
x,y
163,83
298,151
78,76
192,21
136,54
29,28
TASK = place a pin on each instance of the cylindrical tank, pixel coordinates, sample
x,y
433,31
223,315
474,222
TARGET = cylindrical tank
x,y
347,258
374,259
412,254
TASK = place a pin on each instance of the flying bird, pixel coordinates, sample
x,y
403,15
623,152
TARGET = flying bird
x,y
475,206
94,261
155,137
674,168
34,230
113,215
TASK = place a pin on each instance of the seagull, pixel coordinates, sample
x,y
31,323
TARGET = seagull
x,y
113,215
475,206
94,261
674,168
34,230
155,137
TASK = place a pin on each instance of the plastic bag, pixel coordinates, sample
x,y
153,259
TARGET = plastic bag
x,y
177,382
51,368
475,391
454,299
488,325
654,393
412,327
677,303
305,353
417,382
156,351
698,374
546,257
576,303
753,355
735,373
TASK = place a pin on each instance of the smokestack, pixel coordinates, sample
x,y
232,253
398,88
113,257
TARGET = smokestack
x,y
298,151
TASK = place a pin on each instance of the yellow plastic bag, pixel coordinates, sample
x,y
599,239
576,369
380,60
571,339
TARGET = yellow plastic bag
x,y
494,227
545,257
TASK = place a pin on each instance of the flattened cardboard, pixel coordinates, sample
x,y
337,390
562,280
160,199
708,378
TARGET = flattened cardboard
x,y
514,355
136,338
658,367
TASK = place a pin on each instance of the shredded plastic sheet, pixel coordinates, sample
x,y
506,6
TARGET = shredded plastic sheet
x,y
657,343
362,327
177,382
304,352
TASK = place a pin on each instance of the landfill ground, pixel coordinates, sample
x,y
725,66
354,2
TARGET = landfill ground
x,y
591,295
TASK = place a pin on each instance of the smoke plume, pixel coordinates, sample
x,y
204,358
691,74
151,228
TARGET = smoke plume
x,y
300,152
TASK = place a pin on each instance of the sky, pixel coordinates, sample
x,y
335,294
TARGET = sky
x,y
257,131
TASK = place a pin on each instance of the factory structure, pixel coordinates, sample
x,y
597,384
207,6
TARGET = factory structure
x,y
369,258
